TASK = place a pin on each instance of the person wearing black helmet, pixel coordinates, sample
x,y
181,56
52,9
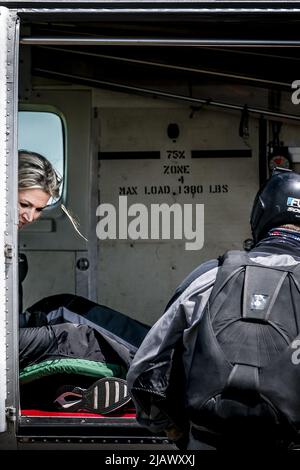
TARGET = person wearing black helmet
x,y
277,204
220,368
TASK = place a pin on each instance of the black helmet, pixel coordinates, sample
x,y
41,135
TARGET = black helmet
x,y
276,203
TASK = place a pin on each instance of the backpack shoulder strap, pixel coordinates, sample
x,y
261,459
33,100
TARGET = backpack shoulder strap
x,y
231,264
234,258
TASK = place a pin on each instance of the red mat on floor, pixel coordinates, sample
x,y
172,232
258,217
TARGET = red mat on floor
x,y
128,414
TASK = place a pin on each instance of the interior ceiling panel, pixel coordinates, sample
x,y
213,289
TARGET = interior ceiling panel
x,y
259,67
238,26
266,67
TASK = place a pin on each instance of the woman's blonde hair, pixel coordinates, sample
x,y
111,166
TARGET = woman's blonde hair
x,y
36,172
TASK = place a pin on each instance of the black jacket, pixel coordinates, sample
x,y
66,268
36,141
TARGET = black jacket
x,y
159,377
66,325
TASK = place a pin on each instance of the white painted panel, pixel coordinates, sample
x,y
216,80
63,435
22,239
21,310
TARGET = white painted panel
x,y
138,277
48,274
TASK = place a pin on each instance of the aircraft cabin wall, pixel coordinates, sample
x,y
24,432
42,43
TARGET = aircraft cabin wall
x,y
148,152
207,163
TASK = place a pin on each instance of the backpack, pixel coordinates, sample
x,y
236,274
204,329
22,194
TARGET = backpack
x,y
246,366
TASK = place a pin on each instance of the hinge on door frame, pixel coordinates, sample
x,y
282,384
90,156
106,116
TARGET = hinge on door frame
x,y
8,252
11,413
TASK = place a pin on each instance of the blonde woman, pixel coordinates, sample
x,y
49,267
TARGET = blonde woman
x,y
38,182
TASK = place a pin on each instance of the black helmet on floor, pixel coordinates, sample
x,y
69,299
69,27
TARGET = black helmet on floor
x,y
276,203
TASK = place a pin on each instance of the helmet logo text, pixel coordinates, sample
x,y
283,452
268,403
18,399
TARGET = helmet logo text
x,y
293,202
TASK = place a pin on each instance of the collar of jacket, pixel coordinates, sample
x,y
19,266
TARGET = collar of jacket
x,y
280,240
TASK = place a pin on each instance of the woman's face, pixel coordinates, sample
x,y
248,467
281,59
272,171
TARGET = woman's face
x,y
31,204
